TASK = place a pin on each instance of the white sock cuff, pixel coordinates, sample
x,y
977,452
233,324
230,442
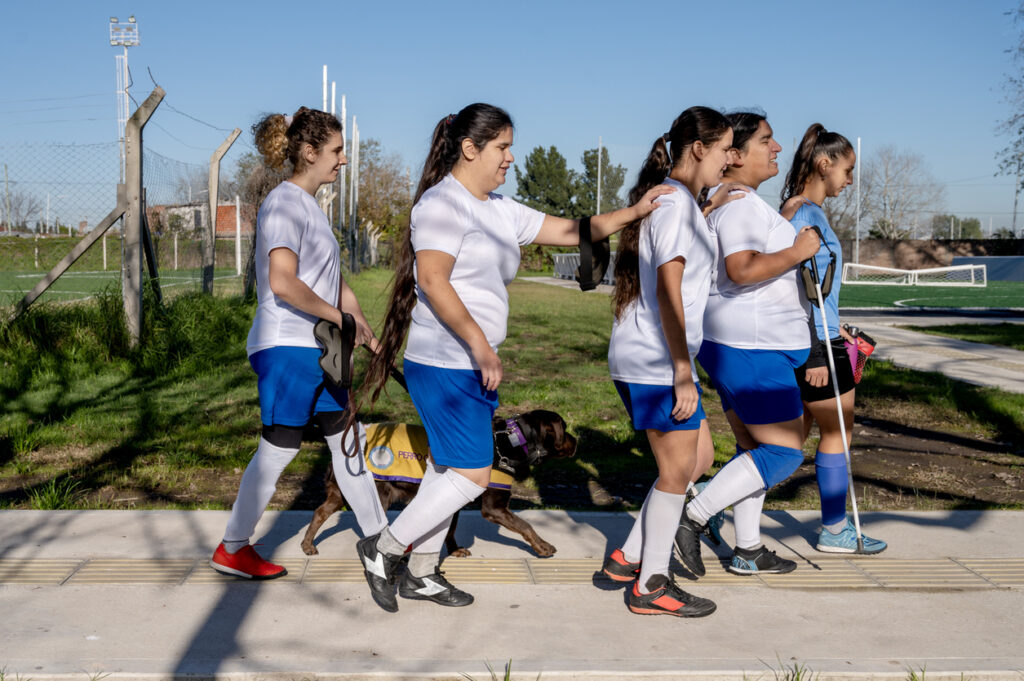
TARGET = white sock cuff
x,y
274,454
466,487
749,464
350,439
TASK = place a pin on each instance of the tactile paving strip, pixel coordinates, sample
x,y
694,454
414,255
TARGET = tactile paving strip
x,y
36,570
486,571
332,570
127,571
939,573
1005,572
822,573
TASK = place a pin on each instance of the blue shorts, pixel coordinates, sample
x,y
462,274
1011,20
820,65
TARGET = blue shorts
x,y
759,385
291,386
650,407
457,411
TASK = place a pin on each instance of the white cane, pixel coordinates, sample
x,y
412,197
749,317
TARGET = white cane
x,y
835,388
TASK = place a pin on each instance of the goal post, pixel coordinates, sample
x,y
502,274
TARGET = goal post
x,y
957,275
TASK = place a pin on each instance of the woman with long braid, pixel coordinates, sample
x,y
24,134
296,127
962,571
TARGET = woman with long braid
x,y
458,255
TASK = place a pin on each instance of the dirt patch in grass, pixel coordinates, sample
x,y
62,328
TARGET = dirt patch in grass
x,y
896,466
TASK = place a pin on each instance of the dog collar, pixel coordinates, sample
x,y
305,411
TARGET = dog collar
x,y
515,435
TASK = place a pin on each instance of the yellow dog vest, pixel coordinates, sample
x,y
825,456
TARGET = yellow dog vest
x,y
398,451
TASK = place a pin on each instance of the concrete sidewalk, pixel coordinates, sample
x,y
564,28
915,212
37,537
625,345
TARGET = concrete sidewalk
x,y
975,363
87,594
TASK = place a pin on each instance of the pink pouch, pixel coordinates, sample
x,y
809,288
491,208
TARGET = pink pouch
x,y
858,353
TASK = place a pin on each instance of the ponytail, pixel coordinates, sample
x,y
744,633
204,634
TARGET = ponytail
x,y
280,140
479,123
817,142
698,123
655,168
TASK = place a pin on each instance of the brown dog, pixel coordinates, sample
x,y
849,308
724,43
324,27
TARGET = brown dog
x,y
520,442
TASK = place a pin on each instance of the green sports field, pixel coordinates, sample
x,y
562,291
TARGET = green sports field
x,y
998,294
76,285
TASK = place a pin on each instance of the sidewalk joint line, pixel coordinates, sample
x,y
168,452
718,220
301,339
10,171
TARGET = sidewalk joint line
x,y
74,572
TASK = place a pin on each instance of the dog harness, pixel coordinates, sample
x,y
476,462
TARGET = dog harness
x,y
516,436
399,451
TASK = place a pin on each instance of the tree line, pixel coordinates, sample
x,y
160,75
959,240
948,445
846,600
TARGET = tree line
x,y
899,198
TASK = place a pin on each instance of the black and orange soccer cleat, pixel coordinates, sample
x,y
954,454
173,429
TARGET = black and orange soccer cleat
x,y
618,569
666,598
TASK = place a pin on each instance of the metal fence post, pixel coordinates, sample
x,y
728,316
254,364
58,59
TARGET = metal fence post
x,y
210,235
131,275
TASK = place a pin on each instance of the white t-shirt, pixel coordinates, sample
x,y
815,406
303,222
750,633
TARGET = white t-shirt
x,y
290,218
769,315
638,352
484,238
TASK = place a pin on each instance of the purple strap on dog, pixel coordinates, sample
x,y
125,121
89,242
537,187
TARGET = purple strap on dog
x,y
515,435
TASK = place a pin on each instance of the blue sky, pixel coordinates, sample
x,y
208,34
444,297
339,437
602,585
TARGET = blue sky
x,y
925,76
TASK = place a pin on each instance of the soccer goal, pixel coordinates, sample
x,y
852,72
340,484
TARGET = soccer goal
x,y
957,275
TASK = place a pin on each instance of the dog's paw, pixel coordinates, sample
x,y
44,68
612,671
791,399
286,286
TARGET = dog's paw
x,y
544,549
310,550
461,553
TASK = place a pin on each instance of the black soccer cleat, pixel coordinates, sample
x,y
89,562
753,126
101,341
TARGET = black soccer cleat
x,y
688,544
380,569
618,569
433,587
759,561
666,598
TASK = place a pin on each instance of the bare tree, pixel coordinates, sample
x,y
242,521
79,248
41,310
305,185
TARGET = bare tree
x,y
192,186
1011,157
23,209
384,198
841,212
898,193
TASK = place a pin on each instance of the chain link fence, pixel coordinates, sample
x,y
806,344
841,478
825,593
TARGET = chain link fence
x,y
52,195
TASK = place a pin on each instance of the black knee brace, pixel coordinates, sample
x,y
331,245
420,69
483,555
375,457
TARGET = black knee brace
x,y
330,422
285,437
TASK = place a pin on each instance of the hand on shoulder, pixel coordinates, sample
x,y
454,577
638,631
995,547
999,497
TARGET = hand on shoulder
x,y
727,193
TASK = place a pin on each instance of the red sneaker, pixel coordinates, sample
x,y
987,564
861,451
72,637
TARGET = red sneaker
x,y
245,563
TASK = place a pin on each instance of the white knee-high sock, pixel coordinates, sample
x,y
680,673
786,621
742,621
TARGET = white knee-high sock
x,y
634,546
254,493
432,541
356,483
660,518
737,480
440,500
746,516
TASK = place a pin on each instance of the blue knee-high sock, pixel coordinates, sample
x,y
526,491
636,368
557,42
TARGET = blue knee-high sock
x,y
830,470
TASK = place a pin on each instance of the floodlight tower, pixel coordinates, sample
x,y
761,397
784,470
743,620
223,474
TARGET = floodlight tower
x,y
124,35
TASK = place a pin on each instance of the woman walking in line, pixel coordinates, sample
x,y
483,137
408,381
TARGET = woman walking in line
x,y
662,276
755,334
298,279
460,252
822,167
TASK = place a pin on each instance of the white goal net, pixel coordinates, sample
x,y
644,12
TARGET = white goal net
x,y
957,275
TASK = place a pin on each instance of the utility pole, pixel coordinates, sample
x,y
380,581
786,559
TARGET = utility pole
x,y
1016,195
597,211
856,229
125,36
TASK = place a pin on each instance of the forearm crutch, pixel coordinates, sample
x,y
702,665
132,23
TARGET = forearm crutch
x,y
809,276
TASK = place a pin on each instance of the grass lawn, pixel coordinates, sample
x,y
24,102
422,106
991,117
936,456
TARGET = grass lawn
x,y
88,422
81,285
1006,334
998,294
